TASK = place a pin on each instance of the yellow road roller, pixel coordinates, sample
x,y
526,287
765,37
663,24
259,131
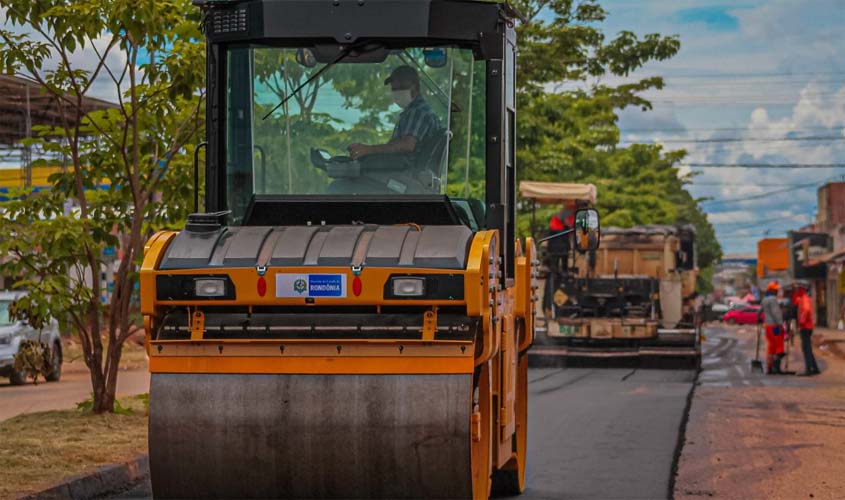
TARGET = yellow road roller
x,y
349,316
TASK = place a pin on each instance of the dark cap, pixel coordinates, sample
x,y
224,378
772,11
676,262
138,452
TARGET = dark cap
x,y
405,74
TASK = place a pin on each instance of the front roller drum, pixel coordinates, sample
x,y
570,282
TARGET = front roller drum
x,y
310,436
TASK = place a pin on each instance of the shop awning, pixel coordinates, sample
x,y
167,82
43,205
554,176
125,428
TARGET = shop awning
x,y
21,98
838,256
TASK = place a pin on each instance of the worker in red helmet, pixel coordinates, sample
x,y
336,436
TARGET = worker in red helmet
x,y
564,219
557,252
773,317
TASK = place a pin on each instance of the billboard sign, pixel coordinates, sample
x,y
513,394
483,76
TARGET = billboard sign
x,y
805,249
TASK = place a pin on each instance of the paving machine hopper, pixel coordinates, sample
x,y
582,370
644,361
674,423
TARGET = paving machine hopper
x,y
346,326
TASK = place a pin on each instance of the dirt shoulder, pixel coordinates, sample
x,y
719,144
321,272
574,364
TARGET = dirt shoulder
x,y
37,450
756,436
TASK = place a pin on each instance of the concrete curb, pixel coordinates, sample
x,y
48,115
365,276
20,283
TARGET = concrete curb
x,y
107,479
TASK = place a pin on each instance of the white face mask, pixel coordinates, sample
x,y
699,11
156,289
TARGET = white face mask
x,y
402,97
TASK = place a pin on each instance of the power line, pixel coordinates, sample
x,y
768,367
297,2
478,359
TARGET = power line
x,y
755,184
750,139
740,236
781,147
730,182
791,219
751,75
747,93
761,195
798,166
722,129
671,82
785,100
747,223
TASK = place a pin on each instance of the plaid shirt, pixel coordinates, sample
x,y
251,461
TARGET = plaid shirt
x,y
417,120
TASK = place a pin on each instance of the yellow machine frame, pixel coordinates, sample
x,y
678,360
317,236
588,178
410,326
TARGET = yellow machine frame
x,y
497,356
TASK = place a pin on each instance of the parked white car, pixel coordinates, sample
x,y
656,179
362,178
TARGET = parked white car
x,y
13,333
720,309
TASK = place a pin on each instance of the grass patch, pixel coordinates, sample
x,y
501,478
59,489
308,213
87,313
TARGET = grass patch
x,y
37,450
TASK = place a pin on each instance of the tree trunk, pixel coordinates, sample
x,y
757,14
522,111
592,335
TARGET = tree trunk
x,y
114,353
102,402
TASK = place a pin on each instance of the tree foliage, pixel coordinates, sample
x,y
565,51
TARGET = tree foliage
x,y
573,135
129,167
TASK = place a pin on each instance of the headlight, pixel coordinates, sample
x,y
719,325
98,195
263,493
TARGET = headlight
x,y
209,287
408,287
5,339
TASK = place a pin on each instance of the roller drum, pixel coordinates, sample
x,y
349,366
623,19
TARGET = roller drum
x,y
310,436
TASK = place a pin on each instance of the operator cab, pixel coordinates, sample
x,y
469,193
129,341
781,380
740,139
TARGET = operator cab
x,y
298,111
409,120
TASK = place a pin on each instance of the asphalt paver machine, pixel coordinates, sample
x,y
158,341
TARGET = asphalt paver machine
x,y
339,327
633,297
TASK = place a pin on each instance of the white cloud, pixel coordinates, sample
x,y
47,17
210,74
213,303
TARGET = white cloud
x,y
778,75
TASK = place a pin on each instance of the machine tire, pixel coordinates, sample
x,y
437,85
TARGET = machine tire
x,y
18,377
482,451
511,479
731,321
56,362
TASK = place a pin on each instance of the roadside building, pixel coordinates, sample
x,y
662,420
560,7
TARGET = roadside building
x,y
773,261
830,219
807,254
25,105
733,275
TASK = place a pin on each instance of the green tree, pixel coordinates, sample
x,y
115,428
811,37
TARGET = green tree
x,y
130,165
573,135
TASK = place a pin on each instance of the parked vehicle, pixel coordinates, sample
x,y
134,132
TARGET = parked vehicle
x,y
13,333
720,308
743,316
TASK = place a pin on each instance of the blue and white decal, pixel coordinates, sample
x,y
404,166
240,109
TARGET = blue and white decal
x,y
290,285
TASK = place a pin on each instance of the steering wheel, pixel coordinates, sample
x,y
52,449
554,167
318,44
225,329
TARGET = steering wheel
x,y
321,159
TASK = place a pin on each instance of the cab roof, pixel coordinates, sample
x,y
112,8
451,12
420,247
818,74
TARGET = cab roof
x,y
557,192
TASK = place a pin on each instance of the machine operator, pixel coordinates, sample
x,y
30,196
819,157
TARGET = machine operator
x,y
416,124
408,162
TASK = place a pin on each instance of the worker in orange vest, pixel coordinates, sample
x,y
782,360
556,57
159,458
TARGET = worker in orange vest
x,y
806,323
773,317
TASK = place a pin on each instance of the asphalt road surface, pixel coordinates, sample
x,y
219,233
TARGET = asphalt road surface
x,y
596,433
604,433
75,386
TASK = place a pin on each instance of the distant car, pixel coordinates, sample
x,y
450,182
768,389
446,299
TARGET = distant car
x,y
746,315
719,308
13,333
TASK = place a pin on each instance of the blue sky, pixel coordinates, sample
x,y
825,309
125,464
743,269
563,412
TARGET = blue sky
x,y
749,75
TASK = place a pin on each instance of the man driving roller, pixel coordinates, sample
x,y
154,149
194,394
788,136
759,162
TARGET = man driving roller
x,y
416,124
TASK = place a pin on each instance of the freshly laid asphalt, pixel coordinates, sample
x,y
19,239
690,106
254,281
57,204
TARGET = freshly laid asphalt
x,y
595,433
604,433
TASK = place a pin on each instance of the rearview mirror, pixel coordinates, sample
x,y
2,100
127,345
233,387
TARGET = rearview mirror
x,y
587,230
306,58
435,57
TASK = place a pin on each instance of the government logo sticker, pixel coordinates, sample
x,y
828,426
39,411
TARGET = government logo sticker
x,y
289,285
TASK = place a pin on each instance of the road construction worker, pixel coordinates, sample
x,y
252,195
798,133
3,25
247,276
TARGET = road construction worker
x,y
806,323
557,252
773,317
